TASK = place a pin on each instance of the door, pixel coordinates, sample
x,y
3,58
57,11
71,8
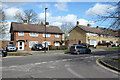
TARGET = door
x,y
20,45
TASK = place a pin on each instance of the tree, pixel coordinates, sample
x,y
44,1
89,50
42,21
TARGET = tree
x,y
112,17
29,15
3,24
65,27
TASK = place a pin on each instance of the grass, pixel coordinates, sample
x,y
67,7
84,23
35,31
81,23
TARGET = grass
x,y
113,48
67,51
18,54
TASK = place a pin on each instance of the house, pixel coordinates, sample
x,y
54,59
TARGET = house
x,y
93,36
25,35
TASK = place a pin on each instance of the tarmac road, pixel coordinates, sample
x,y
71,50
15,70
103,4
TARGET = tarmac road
x,y
57,66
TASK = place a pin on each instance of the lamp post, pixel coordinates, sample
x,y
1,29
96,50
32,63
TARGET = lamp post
x,y
45,30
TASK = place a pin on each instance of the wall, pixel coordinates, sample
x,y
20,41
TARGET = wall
x,y
77,34
40,39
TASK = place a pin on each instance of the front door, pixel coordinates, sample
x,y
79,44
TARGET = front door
x,y
20,45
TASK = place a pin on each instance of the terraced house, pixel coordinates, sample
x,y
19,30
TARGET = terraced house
x,y
25,35
93,36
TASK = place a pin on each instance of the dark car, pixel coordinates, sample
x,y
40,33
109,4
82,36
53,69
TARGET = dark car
x,y
78,49
3,53
37,47
11,47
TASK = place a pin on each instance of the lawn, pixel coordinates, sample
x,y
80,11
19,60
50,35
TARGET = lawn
x,y
18,54
113,48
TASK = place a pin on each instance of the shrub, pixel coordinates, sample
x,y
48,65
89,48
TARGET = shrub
x,y
57,47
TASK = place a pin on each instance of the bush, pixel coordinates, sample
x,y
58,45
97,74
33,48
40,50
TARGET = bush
x,y
57,47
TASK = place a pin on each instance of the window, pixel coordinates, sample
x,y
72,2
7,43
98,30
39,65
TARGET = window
x,y
57,35
47,35
89,34
94,34
47,43
103,35
99,35
20,33
31,43
33,34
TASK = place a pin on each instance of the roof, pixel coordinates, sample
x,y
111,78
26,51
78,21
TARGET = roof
x,y
97,30
34,28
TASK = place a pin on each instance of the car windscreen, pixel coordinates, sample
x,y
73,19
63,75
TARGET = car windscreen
x,y
80,47
72,46
38,44
11,45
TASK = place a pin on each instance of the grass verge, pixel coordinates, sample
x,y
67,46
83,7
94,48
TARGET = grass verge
x,y
113,48
18,54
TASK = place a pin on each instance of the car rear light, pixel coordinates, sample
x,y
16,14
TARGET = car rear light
x,y
74,49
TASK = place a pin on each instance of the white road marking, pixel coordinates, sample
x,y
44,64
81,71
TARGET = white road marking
x,y
44,62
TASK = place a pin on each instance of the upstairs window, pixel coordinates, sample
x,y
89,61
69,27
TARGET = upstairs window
x,y
94,34
47,35
57,35
20,33
34,34
89,34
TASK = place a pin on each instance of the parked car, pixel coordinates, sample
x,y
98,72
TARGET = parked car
x,y
78,49
37,47
11,47
84,44
3,52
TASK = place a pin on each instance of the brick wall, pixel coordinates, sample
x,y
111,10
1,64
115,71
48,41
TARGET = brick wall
x,y
0,44
39,38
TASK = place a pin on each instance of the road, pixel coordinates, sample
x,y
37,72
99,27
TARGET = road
x,y
57,66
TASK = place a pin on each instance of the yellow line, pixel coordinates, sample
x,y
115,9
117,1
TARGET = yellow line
x,y
97,62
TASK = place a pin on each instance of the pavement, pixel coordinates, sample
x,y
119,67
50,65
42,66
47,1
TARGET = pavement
x,y
57,66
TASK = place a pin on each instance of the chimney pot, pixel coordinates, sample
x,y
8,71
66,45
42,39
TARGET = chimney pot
x,y
97,27
47,24
88,25
77,22
25,21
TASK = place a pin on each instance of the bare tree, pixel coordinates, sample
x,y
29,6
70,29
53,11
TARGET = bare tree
x,y
65,27
29,15
111,17
3,24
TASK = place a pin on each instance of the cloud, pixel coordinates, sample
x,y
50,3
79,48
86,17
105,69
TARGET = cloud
x,y
59,20
100,9
44,5
61,6
10,12
85,22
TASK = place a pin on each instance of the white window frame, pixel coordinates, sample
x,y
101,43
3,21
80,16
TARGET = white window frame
x,y
33,34
20,33
95,34
47,35
89,34
47,43
57,35
31,43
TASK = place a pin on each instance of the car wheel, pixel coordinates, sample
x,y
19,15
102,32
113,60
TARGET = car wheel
x,y
89,52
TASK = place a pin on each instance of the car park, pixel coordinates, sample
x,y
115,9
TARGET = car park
x,y
78,49
3,53
37,47
11,47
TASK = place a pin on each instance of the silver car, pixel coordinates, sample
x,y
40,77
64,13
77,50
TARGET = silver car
x,y
11,47
78,49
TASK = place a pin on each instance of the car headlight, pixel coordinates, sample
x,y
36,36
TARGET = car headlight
x,y
4,51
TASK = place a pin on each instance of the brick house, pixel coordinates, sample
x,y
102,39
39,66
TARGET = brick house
x,y
87,34
25,35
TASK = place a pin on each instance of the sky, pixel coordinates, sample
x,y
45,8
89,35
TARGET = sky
x,y
60,12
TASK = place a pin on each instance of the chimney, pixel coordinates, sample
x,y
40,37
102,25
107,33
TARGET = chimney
x,y
97,27
77,22
25,21
88,25
47,24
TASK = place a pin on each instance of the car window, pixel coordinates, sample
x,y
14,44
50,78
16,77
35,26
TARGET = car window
x,y
72,46
39,44
11,45
80,47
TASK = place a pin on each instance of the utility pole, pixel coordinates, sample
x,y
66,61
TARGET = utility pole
x,y
45,30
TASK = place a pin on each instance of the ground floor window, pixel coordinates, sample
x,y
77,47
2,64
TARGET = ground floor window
x,y
57,44
47,44
31,43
